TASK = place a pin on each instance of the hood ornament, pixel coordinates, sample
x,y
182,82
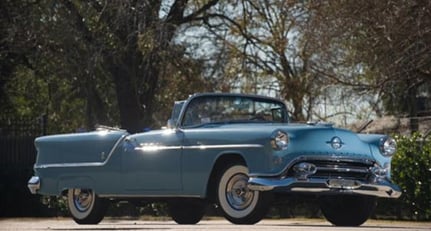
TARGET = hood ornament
x,y
336,142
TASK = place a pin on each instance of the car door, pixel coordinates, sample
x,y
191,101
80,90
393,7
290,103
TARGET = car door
x,y
152,162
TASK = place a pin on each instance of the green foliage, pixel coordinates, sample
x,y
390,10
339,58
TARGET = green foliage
x,y
59,204
32,97
116,209
411,170
84,63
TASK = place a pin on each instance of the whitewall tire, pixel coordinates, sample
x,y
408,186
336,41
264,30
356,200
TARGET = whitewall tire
x,y
238,203
85,206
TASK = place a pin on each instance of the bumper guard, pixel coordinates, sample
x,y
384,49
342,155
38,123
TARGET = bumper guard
x,y
34,184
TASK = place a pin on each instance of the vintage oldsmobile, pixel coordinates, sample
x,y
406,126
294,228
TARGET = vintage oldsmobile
x,y
234,151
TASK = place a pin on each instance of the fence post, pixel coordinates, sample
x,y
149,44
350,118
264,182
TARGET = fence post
x,y
43,123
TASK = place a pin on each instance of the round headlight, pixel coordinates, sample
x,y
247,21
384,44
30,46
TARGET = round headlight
x,y
279,140
388,146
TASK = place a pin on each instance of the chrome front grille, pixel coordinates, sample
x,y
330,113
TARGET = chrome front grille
x,y
327,169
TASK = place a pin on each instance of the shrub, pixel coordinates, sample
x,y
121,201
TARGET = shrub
x,y
411,170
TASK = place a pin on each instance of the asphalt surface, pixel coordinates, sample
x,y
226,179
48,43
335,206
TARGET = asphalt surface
x,y
218,224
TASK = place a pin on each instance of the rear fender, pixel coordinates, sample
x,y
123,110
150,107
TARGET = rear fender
x,y
69,182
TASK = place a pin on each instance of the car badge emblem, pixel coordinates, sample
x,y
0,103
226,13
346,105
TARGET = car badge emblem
x,y
336,142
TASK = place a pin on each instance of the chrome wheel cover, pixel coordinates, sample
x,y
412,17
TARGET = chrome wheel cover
x,y
237,193
83,199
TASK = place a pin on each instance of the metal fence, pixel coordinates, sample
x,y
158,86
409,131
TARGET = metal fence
x,y
22,126
17,157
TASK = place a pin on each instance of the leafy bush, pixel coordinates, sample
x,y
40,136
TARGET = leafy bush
x,y
411,170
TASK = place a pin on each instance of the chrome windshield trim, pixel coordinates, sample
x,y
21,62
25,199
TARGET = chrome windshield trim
x,y
84,164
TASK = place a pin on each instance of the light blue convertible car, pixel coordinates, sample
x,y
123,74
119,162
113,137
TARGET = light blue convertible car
x,y
234,151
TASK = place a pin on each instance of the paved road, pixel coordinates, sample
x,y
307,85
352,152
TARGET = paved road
x,y
28,224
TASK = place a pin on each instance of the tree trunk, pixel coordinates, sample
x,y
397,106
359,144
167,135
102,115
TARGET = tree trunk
x,y
412,109
128,103
150,88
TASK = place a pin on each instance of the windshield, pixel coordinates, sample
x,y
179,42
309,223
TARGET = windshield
x,y
233,109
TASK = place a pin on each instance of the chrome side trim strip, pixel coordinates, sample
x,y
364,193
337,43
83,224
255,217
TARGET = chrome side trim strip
x,y
220,146
148,148
71,165
155,148
147,196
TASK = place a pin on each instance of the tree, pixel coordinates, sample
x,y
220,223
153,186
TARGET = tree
x,y
10,54
261,50
135,45
46,79
385,42
108,54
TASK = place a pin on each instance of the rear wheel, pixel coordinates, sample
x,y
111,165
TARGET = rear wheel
x,y
187,211
238,203
347,210
85,206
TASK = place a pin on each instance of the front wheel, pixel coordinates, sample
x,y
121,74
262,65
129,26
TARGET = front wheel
x,y
238,203
85,206
347,210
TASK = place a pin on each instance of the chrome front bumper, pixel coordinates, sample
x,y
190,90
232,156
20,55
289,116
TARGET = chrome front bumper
x,y
381,188
34,184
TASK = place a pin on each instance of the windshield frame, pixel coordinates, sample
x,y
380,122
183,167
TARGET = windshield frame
x,y
183,121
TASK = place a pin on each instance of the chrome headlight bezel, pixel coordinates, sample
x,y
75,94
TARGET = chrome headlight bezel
x,y
388,146
279,140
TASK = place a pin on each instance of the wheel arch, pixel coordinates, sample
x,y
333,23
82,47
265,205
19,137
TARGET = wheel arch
x,y
70,182
221,162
